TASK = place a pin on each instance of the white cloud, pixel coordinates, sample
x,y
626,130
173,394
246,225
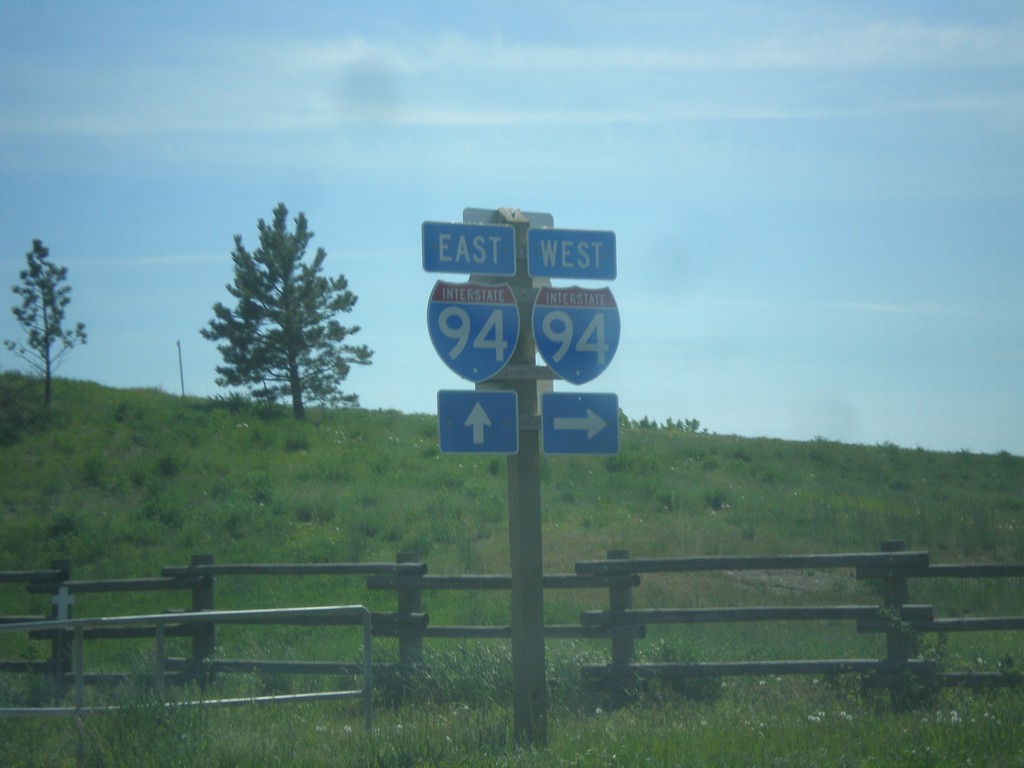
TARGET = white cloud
x,y
166,260
895,45
928,309
903,45
298,85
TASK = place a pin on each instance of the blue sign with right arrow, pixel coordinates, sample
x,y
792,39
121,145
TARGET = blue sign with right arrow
x,y
574,423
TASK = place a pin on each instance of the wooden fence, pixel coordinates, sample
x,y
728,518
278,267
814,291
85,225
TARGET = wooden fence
x,y
618,575
901,621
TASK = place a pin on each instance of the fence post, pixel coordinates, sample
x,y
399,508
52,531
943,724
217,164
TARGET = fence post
x,y
60,646
204,636
620,598
900,642
410,641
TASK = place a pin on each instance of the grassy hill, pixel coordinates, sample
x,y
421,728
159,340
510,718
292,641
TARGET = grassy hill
x,y
117,480
122,482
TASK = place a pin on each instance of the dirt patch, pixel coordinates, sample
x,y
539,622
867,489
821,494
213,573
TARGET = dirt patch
x,y
797,582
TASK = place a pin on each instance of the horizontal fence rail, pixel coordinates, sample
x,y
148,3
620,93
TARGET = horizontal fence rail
x,y
293,569
868,560
769,613
163,625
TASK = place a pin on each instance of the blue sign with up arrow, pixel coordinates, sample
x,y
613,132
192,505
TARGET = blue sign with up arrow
x,y
485,421
579,423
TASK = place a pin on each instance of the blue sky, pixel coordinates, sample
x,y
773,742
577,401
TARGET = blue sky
x,y
819,207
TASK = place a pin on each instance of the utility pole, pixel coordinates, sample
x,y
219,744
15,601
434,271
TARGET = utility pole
x,y
181,370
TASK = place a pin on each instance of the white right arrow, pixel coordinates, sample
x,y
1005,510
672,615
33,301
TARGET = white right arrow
x,y
591,422
478,419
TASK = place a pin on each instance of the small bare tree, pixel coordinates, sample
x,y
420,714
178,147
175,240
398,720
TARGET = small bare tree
x,y
44,297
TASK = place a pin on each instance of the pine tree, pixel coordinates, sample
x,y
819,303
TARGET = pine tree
x,y
44,298
282,338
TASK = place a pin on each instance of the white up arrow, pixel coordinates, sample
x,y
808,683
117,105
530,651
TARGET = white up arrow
x,y
478,419
591,422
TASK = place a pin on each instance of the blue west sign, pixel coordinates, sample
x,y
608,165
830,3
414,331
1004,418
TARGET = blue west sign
x,y
577,330
478,249
579,423
478,422
579,254
474,327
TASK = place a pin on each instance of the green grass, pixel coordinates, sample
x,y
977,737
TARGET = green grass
x,y
122,482
775,724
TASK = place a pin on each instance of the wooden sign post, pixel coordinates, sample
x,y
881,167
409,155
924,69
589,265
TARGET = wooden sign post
x,y
472,328
529,682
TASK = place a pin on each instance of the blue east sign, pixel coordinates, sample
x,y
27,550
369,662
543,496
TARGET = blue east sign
x,y
579,254
579,423
472,249
478,422
474,327
577,331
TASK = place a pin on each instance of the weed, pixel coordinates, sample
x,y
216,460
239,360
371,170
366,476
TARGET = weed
x,y
716,499
93,470
168,465
63,526
668,500
297,442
